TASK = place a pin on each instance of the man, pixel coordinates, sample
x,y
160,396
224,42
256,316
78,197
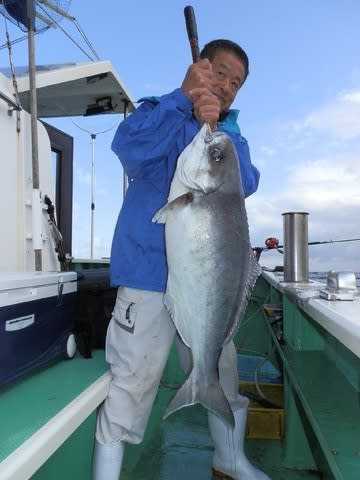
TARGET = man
x,y
141,332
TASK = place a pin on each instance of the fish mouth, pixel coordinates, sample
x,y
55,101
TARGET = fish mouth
x,y
211,136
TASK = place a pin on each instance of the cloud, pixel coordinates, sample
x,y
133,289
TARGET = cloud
x,y
330,182
339,118
313,166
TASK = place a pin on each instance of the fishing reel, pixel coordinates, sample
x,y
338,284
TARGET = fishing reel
x,y
271,243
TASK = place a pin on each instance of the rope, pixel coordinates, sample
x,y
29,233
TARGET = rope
x,y
13,76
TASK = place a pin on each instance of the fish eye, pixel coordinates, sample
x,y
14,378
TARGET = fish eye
x,y
216,154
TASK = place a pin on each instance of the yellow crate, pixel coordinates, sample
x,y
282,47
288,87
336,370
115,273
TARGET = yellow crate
x,y
265,422
273,310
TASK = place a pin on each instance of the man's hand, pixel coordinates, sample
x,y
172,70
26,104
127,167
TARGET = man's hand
x,y
206,106
197,85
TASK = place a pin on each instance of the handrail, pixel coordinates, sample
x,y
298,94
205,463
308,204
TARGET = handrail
x,y
13,103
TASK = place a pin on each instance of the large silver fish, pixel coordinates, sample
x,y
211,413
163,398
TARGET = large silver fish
x,y
210,260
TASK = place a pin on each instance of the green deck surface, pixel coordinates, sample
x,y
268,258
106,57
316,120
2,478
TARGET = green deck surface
x,y
172,449
31,402
180,448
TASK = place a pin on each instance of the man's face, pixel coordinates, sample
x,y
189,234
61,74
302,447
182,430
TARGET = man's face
x,y
229,74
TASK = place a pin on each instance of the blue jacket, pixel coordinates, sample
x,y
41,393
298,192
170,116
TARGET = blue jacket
x,y
148,143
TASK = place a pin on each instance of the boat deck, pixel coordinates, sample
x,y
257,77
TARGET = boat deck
x,y
48,419
39,432
41,411
182,448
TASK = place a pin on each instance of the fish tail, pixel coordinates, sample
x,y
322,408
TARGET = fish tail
x,y
211,396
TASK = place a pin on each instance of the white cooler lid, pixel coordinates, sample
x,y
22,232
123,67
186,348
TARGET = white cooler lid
x,y
14,280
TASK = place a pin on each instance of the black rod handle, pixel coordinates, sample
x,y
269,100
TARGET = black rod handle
x,y
192,32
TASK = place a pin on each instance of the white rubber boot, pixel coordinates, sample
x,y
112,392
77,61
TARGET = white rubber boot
x,y
107,460
229,458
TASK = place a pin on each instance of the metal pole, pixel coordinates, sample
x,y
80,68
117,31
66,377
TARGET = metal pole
x,y
93,137
36,206
296,250
125,179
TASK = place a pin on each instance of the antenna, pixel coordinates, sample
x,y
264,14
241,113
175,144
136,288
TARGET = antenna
x,y
93,136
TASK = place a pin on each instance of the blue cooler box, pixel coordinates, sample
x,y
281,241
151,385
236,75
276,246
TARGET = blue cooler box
x,y
36,321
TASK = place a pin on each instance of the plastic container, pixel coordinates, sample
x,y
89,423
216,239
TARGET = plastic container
x,y
266,371
264,422
36,320
273,310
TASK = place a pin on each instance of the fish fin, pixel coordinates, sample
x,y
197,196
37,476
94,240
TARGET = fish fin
x,y
170,307
254,272
161,214
179,202
211,396
169,304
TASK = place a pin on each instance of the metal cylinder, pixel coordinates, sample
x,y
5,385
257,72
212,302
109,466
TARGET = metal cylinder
x,y
296,247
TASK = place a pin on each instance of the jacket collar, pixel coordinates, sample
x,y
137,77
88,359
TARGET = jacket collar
x,y
227,120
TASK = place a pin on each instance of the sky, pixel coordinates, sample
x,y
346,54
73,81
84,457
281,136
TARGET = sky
x,y
299,108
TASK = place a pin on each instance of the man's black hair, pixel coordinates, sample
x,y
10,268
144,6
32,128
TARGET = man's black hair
x,y
211,48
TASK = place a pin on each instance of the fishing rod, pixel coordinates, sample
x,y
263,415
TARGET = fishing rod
x,y
272,243
334,241
191,28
